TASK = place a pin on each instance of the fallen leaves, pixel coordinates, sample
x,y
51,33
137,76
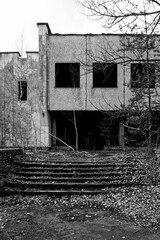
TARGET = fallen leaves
x,y
141,205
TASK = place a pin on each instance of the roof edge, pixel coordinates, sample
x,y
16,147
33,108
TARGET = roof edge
x,y
32,51
11,52
101,34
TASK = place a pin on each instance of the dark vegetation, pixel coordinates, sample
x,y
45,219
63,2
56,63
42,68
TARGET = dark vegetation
x,y
7,166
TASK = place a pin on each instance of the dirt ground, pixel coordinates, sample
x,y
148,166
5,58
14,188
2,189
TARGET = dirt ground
x,y
58,219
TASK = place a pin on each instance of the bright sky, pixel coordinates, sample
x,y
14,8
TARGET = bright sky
x,y
18,21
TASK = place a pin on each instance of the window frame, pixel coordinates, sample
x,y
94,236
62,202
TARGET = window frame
x,y
59,83
113,75
143,84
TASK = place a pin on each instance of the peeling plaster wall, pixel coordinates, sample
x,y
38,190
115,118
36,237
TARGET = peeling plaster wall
x,y
20,121
104,98
87,49
82,49
66,49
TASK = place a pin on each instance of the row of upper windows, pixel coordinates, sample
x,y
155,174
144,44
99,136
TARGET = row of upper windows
x,y
67,75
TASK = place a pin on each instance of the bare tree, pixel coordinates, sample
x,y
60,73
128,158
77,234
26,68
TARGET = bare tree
x,y
125,15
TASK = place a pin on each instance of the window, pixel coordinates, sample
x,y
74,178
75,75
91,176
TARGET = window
x,y
105,75
67,75
22,91
139,75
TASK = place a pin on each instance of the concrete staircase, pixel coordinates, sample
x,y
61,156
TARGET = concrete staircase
x,y
59,175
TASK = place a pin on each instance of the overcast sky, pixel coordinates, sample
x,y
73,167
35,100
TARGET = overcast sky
x,y
19,18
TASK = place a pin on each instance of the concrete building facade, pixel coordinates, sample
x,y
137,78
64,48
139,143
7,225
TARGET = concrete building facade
x,y
67,91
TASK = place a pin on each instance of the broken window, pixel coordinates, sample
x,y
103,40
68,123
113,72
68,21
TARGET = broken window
x,y
140,73
67,75
105,75
22,90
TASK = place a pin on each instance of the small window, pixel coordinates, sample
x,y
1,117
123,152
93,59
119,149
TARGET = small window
x,y
139,73
105,75
22,91
67,75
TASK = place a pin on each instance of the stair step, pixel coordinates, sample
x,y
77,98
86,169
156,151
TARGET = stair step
x,y
72,174
64,169
64,185
16,191
73,162
69,164
79,191
69,179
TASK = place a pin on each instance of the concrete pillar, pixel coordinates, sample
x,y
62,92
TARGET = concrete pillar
x,y
43,60
121,135
43,83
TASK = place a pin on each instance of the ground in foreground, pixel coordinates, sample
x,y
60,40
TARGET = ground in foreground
x,y
131,214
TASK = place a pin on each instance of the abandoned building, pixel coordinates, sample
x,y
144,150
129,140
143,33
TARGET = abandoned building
x,y
62,93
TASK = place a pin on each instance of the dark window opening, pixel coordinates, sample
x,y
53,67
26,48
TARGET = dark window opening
x,y
105,75
22,91
67,75
139,75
